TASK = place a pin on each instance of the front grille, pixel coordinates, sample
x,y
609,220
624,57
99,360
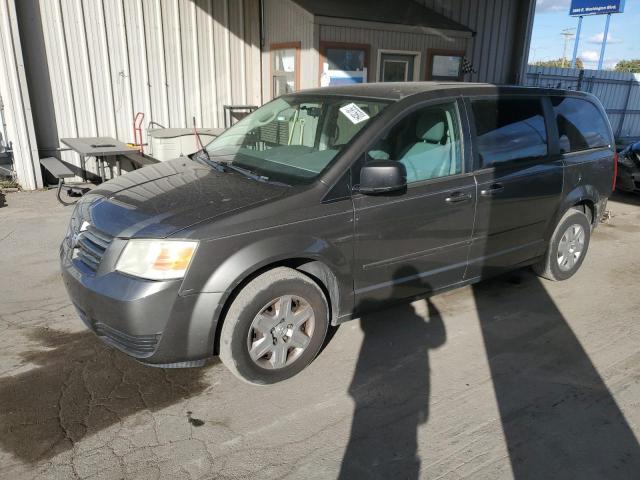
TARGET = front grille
x,y
136,345
92,244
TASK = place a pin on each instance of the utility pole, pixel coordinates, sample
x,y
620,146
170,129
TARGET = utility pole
x,y
576,43
568,34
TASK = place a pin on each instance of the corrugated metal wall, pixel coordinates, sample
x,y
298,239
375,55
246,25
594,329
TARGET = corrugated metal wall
x,y
92,64
14,97
496,24
497,51
285,21
619,92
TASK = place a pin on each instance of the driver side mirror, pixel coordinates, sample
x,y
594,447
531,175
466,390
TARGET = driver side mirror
x,y
382,176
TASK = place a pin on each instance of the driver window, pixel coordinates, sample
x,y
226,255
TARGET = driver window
x,y
426,141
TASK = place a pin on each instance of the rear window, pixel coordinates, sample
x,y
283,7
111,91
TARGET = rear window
x,y
580,125
509,129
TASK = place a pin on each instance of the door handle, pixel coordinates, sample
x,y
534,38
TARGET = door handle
x,y
457,197
493,189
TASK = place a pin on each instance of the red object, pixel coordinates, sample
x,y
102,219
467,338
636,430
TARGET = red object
x,y
615,169
137,131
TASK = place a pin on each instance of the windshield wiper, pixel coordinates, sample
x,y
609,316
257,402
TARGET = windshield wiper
x,y
246,173
203,156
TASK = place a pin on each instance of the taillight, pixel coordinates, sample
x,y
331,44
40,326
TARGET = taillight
x,y
615,169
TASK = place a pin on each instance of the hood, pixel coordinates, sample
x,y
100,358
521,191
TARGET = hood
x,y
161,199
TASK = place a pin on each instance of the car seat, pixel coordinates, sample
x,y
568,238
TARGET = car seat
x,y
430,155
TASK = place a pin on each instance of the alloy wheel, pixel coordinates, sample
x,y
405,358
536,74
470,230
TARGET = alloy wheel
x,y
570,247
281,332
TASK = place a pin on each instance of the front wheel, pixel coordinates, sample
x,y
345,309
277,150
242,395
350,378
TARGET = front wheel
x,y
275,327
567,248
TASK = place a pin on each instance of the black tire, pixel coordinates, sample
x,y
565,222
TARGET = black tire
x,y
549,267
259,292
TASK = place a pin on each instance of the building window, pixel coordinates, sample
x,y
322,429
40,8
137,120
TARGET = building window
x,y
285,68
444,65
343,63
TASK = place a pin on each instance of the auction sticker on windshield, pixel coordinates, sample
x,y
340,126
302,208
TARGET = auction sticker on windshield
x,y
354,113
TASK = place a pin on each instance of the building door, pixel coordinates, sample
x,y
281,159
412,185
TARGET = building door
x,y
396,67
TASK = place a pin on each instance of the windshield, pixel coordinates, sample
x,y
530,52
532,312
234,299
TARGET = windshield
x,y
294,138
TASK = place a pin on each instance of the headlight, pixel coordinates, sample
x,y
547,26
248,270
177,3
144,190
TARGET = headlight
x,y
156,259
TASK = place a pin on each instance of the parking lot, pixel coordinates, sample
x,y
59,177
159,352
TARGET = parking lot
x,y
512,378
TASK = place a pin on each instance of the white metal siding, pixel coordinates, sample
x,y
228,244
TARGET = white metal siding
x,y
108,59
15,98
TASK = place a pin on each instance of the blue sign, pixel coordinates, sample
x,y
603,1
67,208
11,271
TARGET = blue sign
x,y
581,8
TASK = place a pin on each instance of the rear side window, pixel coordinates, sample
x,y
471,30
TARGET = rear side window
x,y
509,129
580,125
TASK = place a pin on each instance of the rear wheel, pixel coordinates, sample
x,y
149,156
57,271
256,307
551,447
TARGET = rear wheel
x,y
567,248
275,327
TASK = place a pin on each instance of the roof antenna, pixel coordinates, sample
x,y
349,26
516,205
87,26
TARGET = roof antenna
x,y
202,154
195,132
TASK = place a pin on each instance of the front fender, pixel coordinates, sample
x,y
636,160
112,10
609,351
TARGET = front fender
x,y
222,265
255,256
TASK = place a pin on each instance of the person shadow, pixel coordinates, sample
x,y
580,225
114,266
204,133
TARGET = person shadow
x,y
559,417
391,384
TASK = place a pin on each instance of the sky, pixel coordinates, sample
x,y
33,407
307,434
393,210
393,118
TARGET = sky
x,y
552,16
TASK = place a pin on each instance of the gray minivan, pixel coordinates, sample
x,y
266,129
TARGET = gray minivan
x,y
327,201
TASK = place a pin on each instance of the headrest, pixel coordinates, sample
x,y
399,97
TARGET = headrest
x,y
430,126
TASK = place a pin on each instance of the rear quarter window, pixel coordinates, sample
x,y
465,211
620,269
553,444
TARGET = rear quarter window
x,y
581,126
509,129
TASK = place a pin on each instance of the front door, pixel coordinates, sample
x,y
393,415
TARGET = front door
x,y
396,67
417,240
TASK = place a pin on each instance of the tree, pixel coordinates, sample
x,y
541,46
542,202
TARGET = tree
x,y
632,66
560,62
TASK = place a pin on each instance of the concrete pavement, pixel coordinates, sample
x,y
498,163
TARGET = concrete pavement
x,y
513,378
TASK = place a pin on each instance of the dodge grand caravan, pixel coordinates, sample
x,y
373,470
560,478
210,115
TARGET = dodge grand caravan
x,y
319,203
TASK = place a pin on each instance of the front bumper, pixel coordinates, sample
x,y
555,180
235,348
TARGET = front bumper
x,y
148,320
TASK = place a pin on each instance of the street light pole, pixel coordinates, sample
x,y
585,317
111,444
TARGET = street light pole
x,y
604,41
576,43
